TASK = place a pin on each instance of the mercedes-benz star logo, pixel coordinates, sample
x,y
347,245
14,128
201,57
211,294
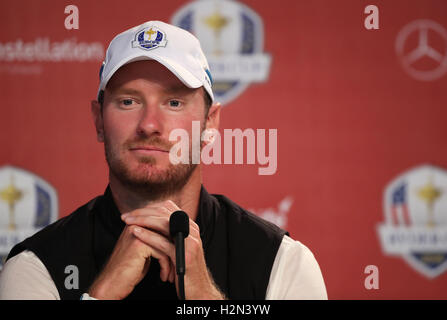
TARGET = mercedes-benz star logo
x,y
425,49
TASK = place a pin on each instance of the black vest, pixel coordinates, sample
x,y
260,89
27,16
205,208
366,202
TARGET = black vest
x,y
239,248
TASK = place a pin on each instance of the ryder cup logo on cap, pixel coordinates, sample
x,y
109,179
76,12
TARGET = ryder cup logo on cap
x,y
177,49
149,38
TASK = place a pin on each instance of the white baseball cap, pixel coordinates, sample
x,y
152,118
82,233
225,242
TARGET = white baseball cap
x,y
175,48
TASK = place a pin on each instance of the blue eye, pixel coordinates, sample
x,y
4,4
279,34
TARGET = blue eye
x,y
127,102
174,103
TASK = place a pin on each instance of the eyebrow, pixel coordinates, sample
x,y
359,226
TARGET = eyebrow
x,y
126,91
174,89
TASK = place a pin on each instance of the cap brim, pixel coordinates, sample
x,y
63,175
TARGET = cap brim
x,y
181,73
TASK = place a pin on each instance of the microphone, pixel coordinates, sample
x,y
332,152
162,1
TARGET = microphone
x,y
179,230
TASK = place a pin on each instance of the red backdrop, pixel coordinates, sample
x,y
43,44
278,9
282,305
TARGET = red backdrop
x,y
349,119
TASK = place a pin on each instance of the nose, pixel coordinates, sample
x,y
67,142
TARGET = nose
x,y
150,122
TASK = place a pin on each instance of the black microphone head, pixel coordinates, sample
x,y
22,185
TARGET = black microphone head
x,y
179,222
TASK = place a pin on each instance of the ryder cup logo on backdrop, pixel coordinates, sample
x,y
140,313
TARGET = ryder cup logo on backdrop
x,y
415,227
232,38
149,38
27,204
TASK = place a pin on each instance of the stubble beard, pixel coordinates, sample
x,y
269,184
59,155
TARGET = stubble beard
x,y
146,179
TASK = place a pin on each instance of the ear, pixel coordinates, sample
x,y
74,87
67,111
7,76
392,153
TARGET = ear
x,y
97,119
213,119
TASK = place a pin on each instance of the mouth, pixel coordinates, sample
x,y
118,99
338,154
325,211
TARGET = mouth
x,y
149,150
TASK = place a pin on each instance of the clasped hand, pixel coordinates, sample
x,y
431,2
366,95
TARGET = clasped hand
x,y
146,236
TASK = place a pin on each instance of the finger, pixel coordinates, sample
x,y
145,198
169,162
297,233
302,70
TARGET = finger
x,y
169,204
156,241
159,224
156,221
157,208
172,273
165,264
156,211
194,228
163,260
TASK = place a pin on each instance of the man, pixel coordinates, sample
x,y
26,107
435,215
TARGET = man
x,y
155,78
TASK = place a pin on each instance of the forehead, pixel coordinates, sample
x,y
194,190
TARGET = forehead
x,y
146,71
